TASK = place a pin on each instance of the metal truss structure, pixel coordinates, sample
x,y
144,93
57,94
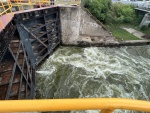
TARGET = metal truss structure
x,y
27,40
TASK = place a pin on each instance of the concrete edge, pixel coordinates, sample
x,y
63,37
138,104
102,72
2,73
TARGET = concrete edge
x,y
116,44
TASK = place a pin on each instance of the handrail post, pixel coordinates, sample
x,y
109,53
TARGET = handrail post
x,y
1,24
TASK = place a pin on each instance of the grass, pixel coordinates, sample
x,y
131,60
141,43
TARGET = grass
x,y
145,30
121,34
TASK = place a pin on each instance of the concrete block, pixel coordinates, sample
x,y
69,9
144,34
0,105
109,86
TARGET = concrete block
x,y
78,25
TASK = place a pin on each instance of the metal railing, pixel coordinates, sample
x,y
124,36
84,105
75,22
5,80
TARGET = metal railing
x,y
106,105
8,7
4,9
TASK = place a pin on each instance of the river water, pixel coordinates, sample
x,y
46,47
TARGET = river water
x,y
73,72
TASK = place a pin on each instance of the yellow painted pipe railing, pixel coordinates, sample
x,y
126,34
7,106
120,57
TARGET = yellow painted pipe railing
x,y
7,6
107,105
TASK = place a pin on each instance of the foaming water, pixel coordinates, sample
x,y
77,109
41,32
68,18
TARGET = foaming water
x,y
73,72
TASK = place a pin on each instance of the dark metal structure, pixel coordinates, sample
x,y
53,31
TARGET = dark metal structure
x,y
40,31
25,42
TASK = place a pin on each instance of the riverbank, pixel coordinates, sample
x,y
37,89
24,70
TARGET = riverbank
x,y
120,34
129,32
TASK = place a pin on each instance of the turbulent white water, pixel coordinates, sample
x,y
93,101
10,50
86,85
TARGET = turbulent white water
x,y
73,72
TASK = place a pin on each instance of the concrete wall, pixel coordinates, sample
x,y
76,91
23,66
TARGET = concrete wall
x,y
146,20
70,24
79,26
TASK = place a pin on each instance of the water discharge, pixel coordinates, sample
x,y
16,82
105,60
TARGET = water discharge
x,y
73,72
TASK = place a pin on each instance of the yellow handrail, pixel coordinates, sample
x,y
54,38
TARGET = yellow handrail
x,y
1,24
107,105
7,7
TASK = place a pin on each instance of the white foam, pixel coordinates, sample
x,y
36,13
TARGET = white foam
x,y
105,72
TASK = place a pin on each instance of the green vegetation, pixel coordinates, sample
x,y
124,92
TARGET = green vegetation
x,y
121,13
120,33
107,12
146,30
114,16
98,8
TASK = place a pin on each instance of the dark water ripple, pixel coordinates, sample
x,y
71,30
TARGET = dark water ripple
x,y
96,72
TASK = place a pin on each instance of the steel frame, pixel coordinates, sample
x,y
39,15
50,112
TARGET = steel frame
x,y
39,39
5,38
20,83
24,43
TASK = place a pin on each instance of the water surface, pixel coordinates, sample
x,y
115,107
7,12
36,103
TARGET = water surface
x,y
73,72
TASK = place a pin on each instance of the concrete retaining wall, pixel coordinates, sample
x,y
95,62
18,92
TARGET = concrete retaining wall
x,y
146,20
79,26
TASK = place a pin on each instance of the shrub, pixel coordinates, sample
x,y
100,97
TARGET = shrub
x,y
143,28
123,13
108,13
99,8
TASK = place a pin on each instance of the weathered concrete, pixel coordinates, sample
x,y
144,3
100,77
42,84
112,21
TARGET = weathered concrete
x,y
70,24
79,26
146,20
116,44
135,32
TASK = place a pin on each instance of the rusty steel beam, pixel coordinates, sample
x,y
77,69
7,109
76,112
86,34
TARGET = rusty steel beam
x,y
24,43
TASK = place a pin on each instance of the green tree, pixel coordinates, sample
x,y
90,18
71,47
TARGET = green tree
x,y
99,8
121,13
107,12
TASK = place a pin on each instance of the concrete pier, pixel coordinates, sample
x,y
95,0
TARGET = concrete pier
x,y
78,25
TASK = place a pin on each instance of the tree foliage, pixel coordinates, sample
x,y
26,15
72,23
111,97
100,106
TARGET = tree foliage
x,y
107,12
122,13
99,8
